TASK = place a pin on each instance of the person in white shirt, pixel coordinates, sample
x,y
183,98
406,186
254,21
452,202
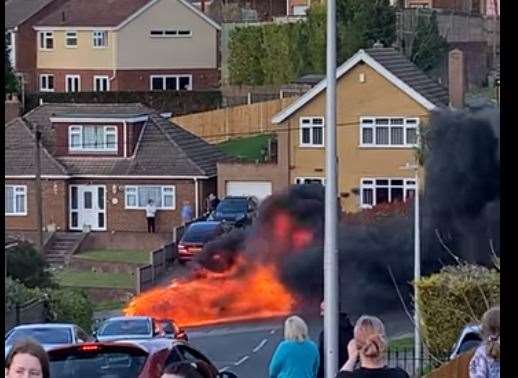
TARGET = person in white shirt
x,y
150,216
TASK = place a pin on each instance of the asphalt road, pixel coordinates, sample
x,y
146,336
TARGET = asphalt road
x,y
246,348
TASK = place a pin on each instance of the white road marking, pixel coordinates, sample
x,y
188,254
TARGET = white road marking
x,y
224,369
261,344
241,360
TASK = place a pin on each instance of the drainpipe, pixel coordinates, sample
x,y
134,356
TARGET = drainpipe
x,y
196,198
114,68
124,139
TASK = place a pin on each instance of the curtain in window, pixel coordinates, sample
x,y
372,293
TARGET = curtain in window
x,y
93,137
9,200
145,193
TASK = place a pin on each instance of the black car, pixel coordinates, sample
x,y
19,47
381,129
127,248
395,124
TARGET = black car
x,y
238,211
196,236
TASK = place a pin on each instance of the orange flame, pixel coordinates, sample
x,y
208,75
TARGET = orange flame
x,y
236,294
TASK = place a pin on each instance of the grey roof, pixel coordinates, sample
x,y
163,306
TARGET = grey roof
x,y
409,73
311,79
17,11
164,149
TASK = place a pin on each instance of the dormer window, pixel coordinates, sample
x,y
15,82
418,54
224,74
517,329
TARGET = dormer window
x,y
92,138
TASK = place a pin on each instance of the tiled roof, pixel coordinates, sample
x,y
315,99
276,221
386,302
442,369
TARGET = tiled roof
x,y
99,13
17,11
409,73
164,149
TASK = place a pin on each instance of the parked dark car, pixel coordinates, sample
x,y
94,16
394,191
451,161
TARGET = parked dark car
x,y
470,338
196,236
168,328
123,359
238,211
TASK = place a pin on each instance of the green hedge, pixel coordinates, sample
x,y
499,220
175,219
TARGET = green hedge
x,y
453,298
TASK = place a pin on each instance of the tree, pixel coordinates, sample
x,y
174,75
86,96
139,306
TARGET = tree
x,y
277,63
28,266
11,84
246,52
429,46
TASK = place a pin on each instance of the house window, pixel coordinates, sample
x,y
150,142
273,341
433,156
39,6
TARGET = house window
x,y
311,132
15,200
101,83
46,83
388,132
92,138
46,40
100,39
137,197
310,180
171,82
71,39
170,33
72,83
381,190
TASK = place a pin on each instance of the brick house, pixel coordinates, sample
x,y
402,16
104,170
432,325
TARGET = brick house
x,y
20,36
100,163
127,45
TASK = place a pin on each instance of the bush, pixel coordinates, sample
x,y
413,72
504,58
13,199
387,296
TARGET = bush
x,y
17,294
71,305
453,298
28,266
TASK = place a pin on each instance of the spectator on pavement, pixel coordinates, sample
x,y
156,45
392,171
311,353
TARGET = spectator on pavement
x,y
186,369
150,215
345,334
296,356
485,363
186,212
369,345
212,203
27,358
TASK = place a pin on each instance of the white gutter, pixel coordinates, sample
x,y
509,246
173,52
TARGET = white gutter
x,y
107,177
196,199
114,59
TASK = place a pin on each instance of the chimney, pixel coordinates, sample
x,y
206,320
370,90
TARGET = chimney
x,y
456,78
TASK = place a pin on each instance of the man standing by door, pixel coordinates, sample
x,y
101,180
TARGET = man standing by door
x,y
150,216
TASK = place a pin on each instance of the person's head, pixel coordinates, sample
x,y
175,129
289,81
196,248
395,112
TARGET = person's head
x,y
187,369
295,329
322,308
27,359
370,337
212,196
491,332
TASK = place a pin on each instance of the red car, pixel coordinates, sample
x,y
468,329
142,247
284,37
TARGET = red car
x,y
123,359
195,237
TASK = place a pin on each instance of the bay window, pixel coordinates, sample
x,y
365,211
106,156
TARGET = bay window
x,y
138,196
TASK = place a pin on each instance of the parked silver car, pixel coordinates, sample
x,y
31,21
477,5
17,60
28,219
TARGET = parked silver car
x,y
50,335
470,338
126,328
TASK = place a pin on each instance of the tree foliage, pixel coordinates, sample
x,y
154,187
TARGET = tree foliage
x,y
11,84
275,54
428,47
28,266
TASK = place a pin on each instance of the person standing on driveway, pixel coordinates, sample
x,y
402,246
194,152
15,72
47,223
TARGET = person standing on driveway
x,y
150,216
296,356
186,212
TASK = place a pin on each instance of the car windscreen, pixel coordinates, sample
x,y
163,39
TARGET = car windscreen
x,y
111,362
42,335
125,327
201,232
232,206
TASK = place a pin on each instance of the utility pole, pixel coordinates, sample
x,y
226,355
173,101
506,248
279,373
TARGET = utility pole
x,y
331,287
37,186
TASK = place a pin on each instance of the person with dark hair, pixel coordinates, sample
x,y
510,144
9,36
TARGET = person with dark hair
x,y
485,363
369,346
187,369
27,358
150,215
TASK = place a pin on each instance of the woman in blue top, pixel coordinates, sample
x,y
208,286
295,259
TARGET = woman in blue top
x,y
297,356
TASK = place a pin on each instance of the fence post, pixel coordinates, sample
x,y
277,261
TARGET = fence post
x,y
151,260
137,277
17,313
249,98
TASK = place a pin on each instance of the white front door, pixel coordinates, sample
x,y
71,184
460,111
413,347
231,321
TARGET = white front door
x,y
88,207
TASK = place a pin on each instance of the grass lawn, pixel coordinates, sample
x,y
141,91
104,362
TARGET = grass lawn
x,y
109,305
71,278
138,257
401,343
248,148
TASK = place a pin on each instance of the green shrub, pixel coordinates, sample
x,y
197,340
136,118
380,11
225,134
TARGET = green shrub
x,y
17,294
28,266
71,305
453,298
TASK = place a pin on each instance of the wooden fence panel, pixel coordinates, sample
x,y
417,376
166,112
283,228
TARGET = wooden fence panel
x,y
457,368
144,278
158,262
27,313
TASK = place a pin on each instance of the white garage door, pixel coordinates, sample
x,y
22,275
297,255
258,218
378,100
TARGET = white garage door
x,y
259,189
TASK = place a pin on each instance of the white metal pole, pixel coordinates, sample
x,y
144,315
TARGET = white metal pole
x,y
417,275
331,287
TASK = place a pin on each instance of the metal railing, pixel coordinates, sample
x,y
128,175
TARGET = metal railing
x,y
406,359
33,311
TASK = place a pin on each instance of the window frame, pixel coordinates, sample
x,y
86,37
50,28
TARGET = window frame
x,y
24,194
164,77
409,183
95,38
41,82
408,123
169,33
67,37
312,125
135,191
105,77
46,36
67,88
79,129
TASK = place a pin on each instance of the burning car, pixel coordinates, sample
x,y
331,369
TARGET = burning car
x,y
196,236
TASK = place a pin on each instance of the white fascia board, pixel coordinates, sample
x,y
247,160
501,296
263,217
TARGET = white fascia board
x,y
361,55
21,177
108,177
151,3
74,28
98,120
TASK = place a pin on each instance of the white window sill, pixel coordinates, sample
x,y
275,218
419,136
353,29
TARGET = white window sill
x,y
311,146
390,147
46,90
144,209
15,214
71,47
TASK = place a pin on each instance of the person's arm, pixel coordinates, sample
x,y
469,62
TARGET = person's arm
x,y
352,350
478,366
316,368
276,362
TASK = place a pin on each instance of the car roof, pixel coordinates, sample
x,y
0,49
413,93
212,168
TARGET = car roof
x,y
118,318
205,223
45,325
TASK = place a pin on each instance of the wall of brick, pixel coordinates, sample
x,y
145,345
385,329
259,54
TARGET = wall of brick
x,y
55,200
139,80
86,82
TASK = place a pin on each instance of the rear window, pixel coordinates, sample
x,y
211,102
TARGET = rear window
x,y
112,362
125,327
233,206
42,335
201,233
